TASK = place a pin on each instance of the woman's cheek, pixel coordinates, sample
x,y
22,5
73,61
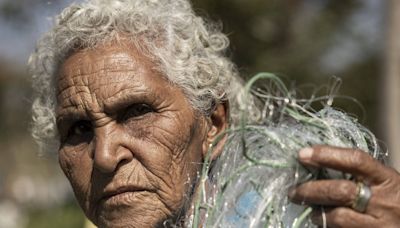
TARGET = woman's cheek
x,y
70,157
77,167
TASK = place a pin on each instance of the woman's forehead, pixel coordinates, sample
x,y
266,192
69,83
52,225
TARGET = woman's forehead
x,y
109,74
106,64
113,56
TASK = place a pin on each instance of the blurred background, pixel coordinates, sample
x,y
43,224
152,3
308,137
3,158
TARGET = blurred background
x,y
307,42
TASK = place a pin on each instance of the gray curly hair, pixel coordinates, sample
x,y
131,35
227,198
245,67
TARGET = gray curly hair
x,y
188,51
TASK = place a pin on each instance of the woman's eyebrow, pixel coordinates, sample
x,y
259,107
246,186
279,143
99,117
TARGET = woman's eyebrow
x,y
128,96
70,113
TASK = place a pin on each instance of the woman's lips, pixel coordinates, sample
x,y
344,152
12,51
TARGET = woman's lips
x,y
122,195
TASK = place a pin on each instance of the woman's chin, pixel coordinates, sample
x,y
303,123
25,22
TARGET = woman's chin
x,y
131,209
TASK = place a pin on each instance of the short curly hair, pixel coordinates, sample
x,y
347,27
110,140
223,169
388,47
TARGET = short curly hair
x,y
187,50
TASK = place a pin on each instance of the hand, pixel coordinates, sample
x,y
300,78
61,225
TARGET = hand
x,y
337,196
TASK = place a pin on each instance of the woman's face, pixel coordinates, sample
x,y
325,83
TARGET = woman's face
x,y
131,145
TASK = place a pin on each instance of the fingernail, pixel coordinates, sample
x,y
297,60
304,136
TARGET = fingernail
x,y
305,154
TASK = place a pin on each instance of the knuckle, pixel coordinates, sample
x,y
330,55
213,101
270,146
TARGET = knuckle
x,y
357,157
341,193
391,172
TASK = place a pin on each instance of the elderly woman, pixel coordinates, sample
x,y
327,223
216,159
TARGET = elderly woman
x,y
133,93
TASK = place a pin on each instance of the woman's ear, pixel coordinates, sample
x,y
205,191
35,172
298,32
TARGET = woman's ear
x,y
218,124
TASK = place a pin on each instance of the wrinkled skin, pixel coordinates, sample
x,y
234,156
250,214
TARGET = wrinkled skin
x,y
131,144
337,196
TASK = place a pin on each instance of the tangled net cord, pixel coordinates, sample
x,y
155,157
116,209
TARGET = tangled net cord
x,y
259,163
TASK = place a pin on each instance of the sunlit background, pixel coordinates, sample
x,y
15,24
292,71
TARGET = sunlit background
x,y
309,43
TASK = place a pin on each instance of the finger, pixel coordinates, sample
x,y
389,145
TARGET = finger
x,y
351,161
343,217
325,192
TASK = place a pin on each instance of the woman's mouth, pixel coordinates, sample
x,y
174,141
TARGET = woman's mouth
x,y
122,195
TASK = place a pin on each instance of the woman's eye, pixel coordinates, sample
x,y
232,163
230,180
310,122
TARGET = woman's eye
x,y
80,128
137,110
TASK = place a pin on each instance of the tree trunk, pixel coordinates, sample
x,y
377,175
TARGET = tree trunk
x,y
391,92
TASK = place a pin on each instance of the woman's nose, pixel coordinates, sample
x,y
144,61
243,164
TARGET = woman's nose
x,y
109,152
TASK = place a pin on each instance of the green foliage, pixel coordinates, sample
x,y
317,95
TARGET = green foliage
x,y
284,38
67,216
